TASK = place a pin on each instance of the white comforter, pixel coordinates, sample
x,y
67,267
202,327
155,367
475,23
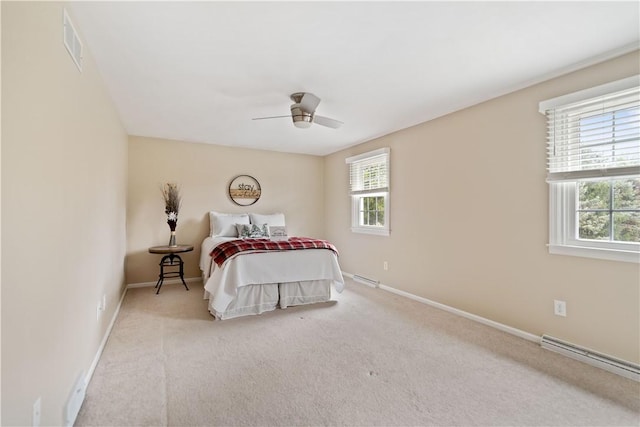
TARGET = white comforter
x,y
262,268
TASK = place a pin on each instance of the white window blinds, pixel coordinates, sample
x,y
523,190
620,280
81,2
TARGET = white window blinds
x,y
369,172
594,133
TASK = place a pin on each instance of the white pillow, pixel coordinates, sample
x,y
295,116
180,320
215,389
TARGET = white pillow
x,y
270,220
224,224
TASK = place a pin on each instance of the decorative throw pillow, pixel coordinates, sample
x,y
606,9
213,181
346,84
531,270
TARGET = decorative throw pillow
x,y
278,232
243,230
252,231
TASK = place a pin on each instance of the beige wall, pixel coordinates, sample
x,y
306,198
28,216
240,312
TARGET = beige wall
x,y
462,234
469,222
291,183
63,213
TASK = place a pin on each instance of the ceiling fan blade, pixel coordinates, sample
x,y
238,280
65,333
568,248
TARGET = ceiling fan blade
x,y
272,117
309,102
326,121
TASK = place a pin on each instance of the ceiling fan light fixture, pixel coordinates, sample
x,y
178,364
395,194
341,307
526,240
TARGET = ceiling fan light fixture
x,y
301,123
301,119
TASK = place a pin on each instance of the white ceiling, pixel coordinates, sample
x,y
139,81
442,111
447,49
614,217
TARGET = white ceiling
x,y
200,71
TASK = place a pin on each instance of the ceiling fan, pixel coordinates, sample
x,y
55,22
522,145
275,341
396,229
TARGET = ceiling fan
x,y
303,112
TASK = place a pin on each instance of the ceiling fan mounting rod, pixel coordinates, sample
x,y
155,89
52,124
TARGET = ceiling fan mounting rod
x,y
297,97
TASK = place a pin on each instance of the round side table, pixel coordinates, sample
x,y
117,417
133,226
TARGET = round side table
x,y
170,261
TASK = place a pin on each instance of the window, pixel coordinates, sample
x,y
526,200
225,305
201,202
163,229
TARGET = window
x,y
594,171
369,189
609,210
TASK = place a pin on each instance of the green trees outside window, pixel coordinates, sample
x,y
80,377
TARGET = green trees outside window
x,y
609,210
372,211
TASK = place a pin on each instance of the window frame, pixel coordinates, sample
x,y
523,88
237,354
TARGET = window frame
x,y
357,227
563,238
358,196
563,208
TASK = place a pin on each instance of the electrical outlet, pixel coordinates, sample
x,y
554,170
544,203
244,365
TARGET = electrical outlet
x,y
559,308
37,410
102,304
385,265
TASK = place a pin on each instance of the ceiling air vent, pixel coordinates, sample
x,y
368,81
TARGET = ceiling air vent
x,y
72,41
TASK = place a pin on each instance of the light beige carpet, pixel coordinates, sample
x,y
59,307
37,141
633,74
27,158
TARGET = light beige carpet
x,y
371,358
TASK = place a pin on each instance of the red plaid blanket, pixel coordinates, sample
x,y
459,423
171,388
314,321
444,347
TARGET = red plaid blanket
x,y
226,250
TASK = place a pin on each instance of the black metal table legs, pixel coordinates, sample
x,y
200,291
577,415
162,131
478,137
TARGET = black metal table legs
x,y
169,261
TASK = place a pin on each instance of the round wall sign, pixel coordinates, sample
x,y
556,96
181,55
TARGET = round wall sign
x,y
244,190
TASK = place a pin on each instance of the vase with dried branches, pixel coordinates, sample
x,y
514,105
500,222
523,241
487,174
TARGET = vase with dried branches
x,y
172,200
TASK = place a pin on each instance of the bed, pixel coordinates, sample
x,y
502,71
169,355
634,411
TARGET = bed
x,y
257,281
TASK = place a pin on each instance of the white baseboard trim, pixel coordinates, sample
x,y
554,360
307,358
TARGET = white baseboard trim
x,y
165,282
96,359
497,325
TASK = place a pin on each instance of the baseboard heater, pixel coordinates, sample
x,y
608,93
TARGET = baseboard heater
x,y
366,280
603,361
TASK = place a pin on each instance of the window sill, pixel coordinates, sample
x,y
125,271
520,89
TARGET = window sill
x,y
597,253
367,230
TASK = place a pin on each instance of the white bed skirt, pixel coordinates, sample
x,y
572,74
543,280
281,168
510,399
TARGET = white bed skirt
x,y
252,299
257,299
300,293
